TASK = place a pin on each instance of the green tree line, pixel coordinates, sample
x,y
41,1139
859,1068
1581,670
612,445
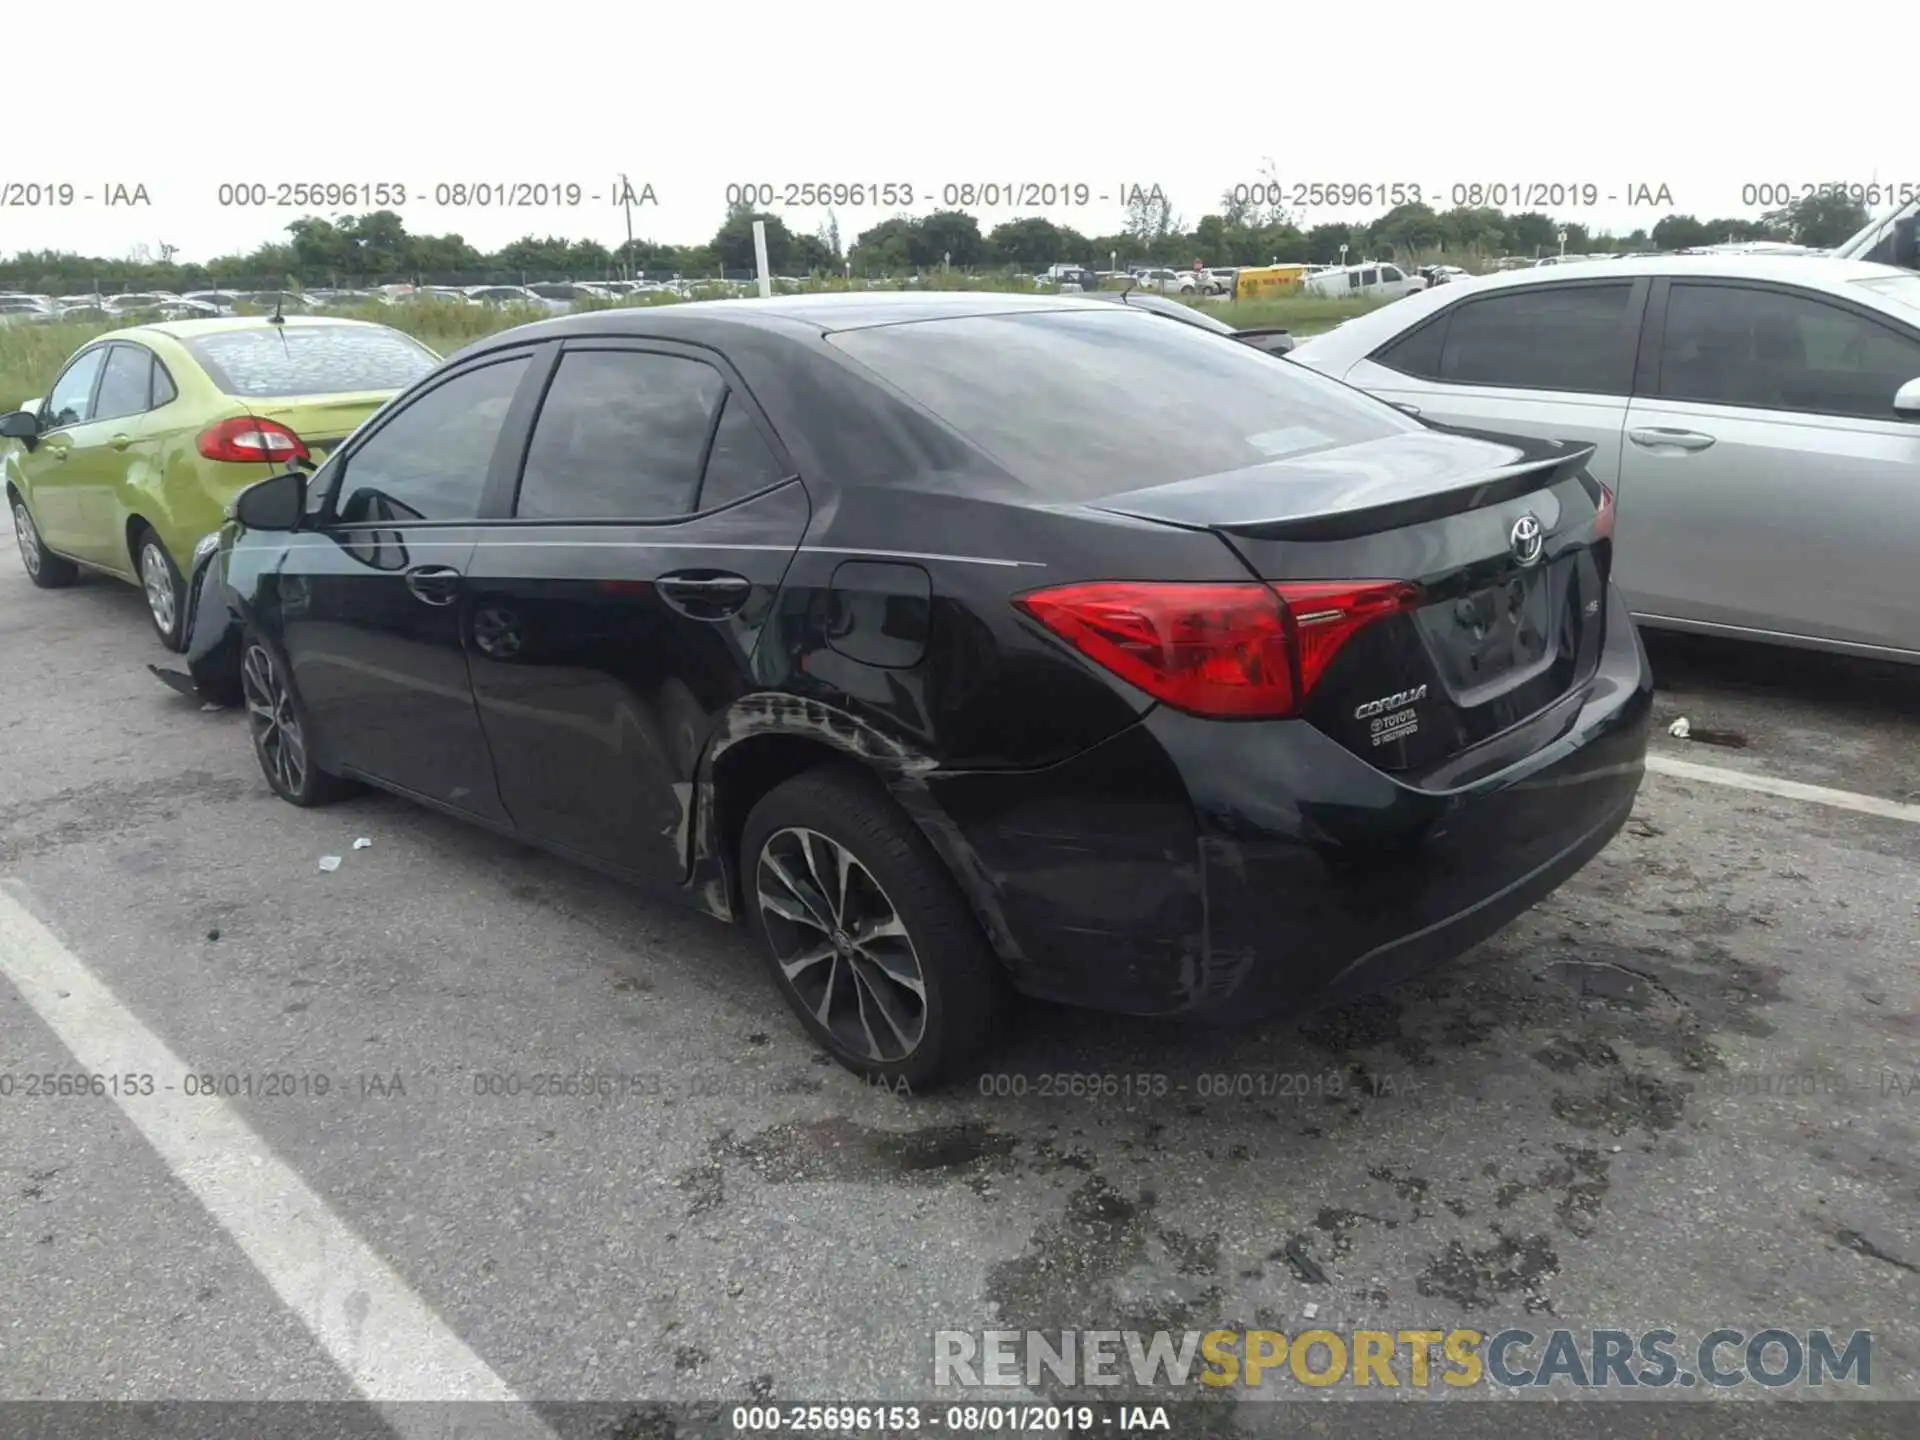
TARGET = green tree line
x,y
377,248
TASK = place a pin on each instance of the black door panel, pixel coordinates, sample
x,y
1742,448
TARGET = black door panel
x,y
381,670
596,690
374,606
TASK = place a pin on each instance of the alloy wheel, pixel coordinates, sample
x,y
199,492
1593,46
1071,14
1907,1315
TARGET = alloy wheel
x,y
157,580
277,737
841,944
27,537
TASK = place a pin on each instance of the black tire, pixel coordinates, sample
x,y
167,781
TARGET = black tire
x,y
962,987
44,568
165,592
275,716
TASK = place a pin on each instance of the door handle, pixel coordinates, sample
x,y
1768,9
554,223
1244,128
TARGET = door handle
x,y
1413,410
704,594
435,584
120,442
1655,437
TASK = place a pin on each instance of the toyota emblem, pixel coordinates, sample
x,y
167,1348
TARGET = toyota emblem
x,y
1527,539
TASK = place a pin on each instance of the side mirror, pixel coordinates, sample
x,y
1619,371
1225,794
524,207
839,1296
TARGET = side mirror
x,y
1906,242
20,425
277,503
1906,400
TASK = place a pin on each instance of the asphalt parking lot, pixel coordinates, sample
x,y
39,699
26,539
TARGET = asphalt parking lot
x,y
1684,1092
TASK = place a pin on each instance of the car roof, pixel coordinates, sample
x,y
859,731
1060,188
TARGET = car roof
x,y
223,324
1365,333
822,313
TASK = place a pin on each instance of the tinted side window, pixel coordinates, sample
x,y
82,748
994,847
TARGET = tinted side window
x,y
71,400
1417,352
620,437
429,462
741,461
1725,345
126,384
1555,337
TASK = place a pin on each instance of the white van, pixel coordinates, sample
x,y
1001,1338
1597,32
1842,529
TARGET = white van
x,y
1375,280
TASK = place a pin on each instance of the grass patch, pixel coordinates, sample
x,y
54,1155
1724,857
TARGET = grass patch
x,y
31,355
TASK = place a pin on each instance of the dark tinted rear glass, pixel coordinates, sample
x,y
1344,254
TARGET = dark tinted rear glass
x,y
1549,337
310,359
1082,404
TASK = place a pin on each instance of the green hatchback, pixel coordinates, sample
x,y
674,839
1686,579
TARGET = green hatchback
x,y
147,434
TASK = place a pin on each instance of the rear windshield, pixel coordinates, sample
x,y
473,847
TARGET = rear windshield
x,y
310,360
1080,404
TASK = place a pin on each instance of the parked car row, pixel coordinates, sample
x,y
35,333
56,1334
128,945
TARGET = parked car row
x,y
809,605
558,297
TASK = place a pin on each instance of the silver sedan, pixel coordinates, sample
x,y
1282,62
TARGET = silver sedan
x,y
1758,418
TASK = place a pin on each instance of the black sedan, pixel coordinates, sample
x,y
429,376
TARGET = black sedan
x,y
958,644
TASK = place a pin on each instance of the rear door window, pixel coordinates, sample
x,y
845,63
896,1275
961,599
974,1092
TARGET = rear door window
x,y
621,436
1548,337
1417,352
741,462
126,385
1078,405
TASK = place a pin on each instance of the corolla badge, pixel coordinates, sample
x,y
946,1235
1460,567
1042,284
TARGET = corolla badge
x,y
1392,717
1527,539
1390,702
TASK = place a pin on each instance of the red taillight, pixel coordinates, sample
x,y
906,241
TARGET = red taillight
x,y
1603,516
1328,613
1222,650
252,441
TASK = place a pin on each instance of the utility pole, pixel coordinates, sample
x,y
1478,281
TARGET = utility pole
x,y
626,203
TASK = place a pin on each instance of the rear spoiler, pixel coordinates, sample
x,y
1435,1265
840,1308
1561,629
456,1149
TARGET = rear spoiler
x,y
1342,494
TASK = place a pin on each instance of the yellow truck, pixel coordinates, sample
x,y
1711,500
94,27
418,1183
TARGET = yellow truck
x,y
1265,282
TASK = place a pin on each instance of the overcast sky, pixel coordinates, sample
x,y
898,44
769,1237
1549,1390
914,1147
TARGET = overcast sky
x,y
1702,98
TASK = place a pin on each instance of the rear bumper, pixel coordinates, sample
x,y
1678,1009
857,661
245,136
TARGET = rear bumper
x,y
1189,867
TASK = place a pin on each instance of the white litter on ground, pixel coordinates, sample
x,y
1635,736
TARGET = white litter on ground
x,y
362,843
329,863
1679,729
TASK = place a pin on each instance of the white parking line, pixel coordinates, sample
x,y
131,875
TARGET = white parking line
x,y
1786,789
383,1336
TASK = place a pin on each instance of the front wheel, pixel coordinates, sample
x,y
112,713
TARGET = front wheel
x,y
277,725
44,568
868,937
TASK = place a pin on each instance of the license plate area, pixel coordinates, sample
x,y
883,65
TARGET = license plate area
x,y
1493,636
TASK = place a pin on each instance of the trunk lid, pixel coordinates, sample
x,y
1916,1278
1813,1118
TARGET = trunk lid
x,y
322,421
1507,568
